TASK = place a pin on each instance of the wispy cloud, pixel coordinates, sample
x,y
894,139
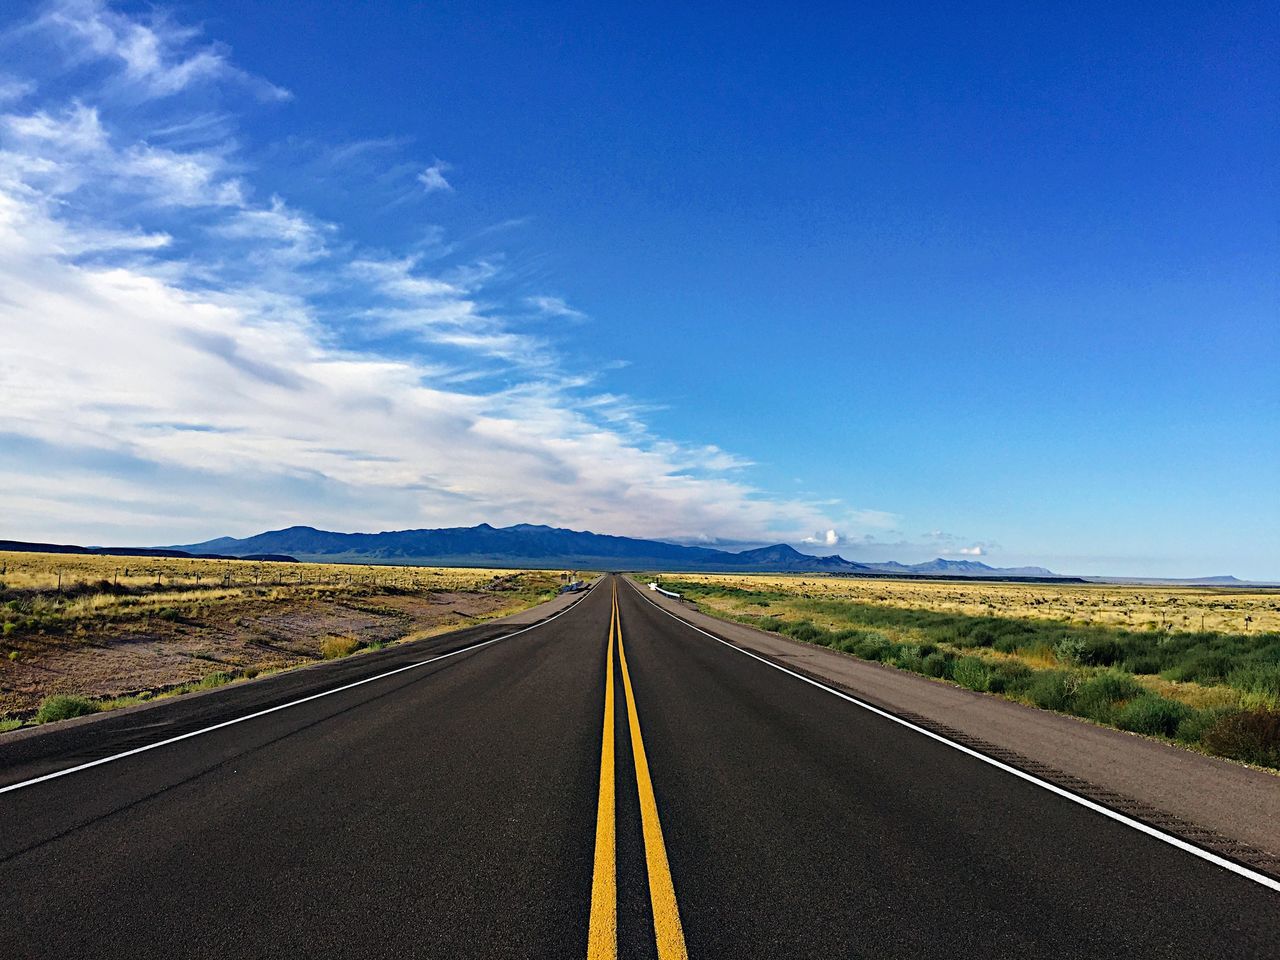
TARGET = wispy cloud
x,y
62,151
156,56
555,307
277,233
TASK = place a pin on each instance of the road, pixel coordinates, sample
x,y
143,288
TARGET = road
x,y
462,802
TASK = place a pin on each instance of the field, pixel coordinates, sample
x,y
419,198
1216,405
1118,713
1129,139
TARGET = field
x,y
79,633
1199,666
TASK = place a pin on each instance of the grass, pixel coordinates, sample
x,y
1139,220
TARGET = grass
x,y
1217,691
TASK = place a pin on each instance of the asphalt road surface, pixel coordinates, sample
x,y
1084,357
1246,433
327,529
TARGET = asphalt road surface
x,y
462,802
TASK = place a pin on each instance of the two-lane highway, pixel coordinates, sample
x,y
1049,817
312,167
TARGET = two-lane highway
x,y
610,783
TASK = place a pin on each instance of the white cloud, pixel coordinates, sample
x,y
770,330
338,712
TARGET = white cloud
x,y
118,360
555,307
828,539
61,152
432,178
951,545
284,235
13,89
155,58
171,339
77,132
399,280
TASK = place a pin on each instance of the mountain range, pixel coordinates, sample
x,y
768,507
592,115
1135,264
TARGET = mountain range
x,y
531,545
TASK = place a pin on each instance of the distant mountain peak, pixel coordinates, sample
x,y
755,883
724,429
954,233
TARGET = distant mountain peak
x,y
780,550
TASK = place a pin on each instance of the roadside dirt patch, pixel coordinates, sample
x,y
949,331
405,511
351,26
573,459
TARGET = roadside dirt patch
x,y
104,659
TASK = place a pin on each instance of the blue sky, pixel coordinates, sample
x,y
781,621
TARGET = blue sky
x,y
961,280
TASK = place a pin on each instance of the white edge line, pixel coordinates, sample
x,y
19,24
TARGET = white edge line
x,y
282,706
1138,825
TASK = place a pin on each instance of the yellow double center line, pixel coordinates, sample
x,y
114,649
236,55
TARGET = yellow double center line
x,y
602,940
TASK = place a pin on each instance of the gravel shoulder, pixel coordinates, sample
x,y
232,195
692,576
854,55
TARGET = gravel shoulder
x,y
1224,806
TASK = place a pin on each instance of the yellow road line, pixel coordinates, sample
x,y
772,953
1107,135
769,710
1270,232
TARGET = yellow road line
x,y
602,936
662,891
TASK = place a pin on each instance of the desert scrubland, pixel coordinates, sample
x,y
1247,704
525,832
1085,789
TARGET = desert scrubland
x,y
81,633
1195,665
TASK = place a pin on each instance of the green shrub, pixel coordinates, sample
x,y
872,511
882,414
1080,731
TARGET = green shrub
x,y
875,647
981,635
1197,723
1249,735
1208,667
804,631
1069,649
1010,644
63,708
332,648
936,664
1153,715
971,672
1144,665
1009,677
1260,679
909,658
1100,652
216,679
1097,698
1052,689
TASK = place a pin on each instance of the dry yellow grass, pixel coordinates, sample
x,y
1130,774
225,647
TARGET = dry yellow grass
x,y
44,571
1194,694
1133,607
